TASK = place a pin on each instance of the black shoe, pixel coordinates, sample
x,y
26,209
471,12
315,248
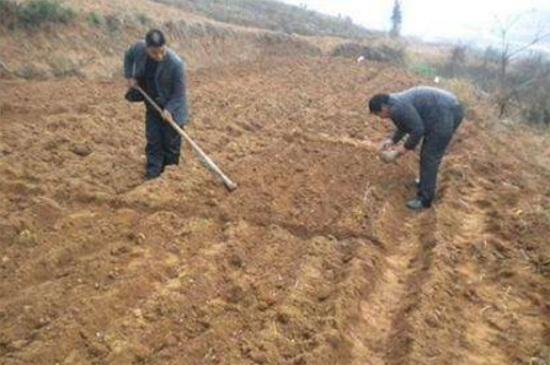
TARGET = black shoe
x,y
416,204
172,161
148,177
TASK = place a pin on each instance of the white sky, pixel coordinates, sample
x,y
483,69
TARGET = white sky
x,y
463,19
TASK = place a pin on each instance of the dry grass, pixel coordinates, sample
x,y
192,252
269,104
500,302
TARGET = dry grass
x,y
464,90
273,15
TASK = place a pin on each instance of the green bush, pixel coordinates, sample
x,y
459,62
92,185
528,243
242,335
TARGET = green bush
x,y
8,13
381,53
424,69
95,19
114,24
31,72
64,67
144,19
34,13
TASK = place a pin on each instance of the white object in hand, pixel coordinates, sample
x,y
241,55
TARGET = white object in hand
x,y
385,144
389,156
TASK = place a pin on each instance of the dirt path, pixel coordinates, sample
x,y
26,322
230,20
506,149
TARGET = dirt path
x,y
382,309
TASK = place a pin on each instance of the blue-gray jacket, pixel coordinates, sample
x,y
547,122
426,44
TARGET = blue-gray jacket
x,y
422,111
170,78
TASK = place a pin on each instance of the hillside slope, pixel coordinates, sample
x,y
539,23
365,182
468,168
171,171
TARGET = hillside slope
x,y
273,15
93,44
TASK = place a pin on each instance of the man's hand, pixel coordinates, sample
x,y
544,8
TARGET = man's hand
x,y
401,150
167,116
131,83
385,144
392,155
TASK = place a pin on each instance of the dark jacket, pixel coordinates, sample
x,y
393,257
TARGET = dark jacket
x,y
170,78
421,111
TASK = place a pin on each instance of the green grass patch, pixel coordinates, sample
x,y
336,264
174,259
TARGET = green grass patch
x,y
424,69
95,19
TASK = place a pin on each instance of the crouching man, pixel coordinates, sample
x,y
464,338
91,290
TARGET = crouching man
x,y
426,114
161,73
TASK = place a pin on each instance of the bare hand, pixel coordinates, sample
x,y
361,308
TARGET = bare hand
x,y
385,144
131,83
167,116
402,150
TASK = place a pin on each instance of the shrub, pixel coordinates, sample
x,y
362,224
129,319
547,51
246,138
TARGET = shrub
x,y
96,19
64,67
8,13
4,70
524,94
349,50
31,72
530,82
464,90
36,12
392,54
381,53
423,69
144,19
113,23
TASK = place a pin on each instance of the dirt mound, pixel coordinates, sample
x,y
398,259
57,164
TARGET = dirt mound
x,y
313,260
379,53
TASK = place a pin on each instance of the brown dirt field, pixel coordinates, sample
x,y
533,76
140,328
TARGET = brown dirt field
x,y
313,260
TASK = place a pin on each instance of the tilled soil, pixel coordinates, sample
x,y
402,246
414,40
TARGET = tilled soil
x,y
312,260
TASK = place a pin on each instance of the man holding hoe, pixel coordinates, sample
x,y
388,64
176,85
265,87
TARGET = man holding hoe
x,y
157,70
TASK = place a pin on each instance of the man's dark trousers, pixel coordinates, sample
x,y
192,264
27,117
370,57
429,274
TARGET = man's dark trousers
x,y
163,144
433,149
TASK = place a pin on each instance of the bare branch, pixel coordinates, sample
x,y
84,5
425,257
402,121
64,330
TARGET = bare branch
x,y
505,27
537,39
525,84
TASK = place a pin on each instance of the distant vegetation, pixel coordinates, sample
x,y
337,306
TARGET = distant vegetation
x,y
273,15
392,53
96,19
34,13
396,19
521,93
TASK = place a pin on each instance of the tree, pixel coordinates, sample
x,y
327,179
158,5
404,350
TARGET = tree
x,y
508,52
531,74
457,60
396,19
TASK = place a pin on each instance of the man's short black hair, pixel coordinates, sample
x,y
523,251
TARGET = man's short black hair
x,y
155,38
377,102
